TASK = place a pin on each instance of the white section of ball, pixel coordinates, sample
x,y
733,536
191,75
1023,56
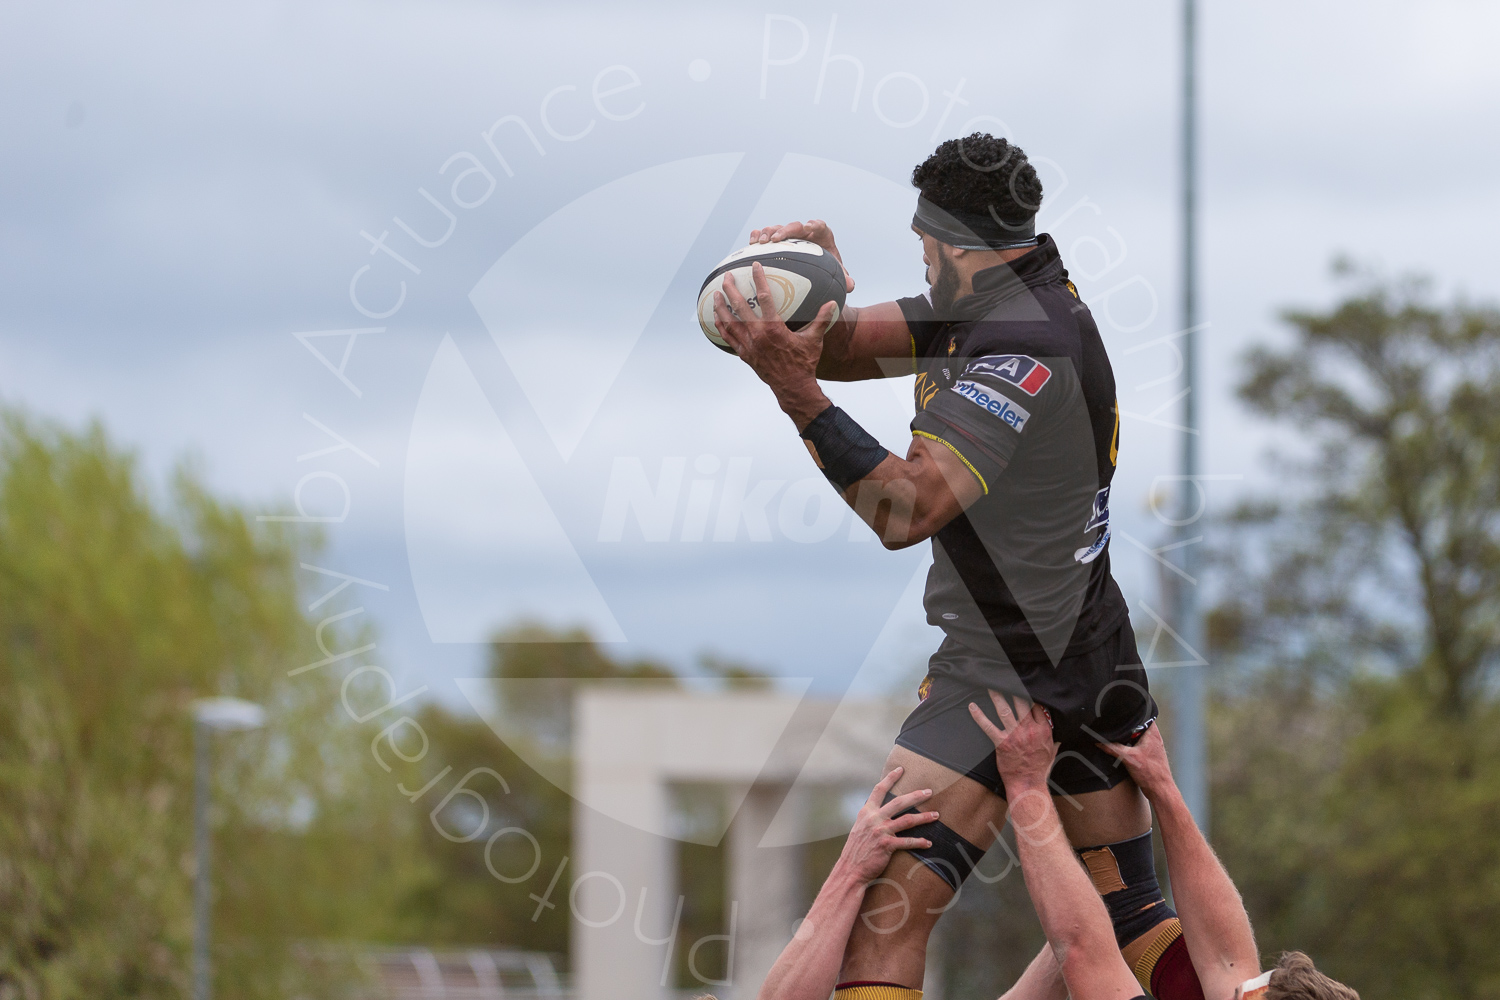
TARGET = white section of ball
x,y
788,289
793,269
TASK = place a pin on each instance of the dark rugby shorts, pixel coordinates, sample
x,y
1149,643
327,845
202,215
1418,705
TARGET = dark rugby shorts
x,y
1096,696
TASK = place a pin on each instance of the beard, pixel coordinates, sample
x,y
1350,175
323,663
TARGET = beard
x,y
945,288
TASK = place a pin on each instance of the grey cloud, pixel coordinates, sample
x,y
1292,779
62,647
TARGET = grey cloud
x,y
160,252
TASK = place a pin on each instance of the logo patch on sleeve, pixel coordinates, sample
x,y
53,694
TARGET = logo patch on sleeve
x,y
989,400
1025,373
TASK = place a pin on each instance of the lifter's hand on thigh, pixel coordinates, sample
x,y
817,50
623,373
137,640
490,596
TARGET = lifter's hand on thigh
x,y
874,837
1024,750
1146,762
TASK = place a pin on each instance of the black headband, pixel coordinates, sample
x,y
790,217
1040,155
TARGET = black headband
x,y
971,230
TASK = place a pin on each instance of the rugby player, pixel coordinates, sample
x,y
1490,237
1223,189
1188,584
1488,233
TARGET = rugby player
x,y
1085,962
1080,958
1215,928
1008,472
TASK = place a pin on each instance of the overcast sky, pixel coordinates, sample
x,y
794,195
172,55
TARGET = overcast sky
x,y
185,189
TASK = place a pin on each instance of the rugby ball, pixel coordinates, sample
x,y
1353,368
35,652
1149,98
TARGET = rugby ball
x,y
802,275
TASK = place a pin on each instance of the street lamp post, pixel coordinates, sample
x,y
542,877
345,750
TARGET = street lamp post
x,y
210,715
1189,685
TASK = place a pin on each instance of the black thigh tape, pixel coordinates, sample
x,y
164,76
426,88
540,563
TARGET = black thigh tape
x,y
950,857
1135,903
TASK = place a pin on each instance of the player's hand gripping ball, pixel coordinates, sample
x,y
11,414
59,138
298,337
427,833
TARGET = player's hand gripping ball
x,y
802,277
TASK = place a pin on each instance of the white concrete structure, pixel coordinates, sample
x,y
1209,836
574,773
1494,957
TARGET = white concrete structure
x,y
774,754
470,974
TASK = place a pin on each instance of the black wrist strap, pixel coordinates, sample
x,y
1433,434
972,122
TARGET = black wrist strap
x,y
845,451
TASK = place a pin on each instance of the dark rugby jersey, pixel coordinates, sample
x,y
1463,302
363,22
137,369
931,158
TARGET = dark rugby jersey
x,y
1017,384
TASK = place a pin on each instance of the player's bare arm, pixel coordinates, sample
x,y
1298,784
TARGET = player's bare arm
x,y
808,967
904,500
1042,980
1072,914
865,342
1214,921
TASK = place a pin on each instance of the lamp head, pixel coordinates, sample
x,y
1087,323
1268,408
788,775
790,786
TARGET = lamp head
x,y
227,714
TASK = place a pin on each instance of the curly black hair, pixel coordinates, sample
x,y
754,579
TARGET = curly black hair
x,y
979,172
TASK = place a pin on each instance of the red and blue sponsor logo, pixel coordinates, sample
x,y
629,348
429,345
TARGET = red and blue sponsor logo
x,y
1022,371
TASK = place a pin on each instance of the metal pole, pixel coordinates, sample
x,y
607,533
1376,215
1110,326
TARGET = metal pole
x,y
202,901
1190,753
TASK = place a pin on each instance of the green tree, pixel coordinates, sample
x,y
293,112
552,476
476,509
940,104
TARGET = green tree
x,y
1356,767
117,609
1401,400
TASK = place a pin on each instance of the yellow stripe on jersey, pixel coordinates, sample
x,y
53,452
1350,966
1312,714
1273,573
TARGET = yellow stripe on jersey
x,y
1114,441
970,465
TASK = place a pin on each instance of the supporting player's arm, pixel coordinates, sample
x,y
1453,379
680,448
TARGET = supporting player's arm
x,y
1071,912
865,342
1042,980
1214,921
808,967
904,500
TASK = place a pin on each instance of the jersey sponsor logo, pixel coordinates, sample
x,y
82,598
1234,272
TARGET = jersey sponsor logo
x,y
924,390
1089,553
1025,373
1099,518
989,400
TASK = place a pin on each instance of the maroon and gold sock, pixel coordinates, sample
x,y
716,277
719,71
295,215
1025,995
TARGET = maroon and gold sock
x,y
874,991
1147,930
